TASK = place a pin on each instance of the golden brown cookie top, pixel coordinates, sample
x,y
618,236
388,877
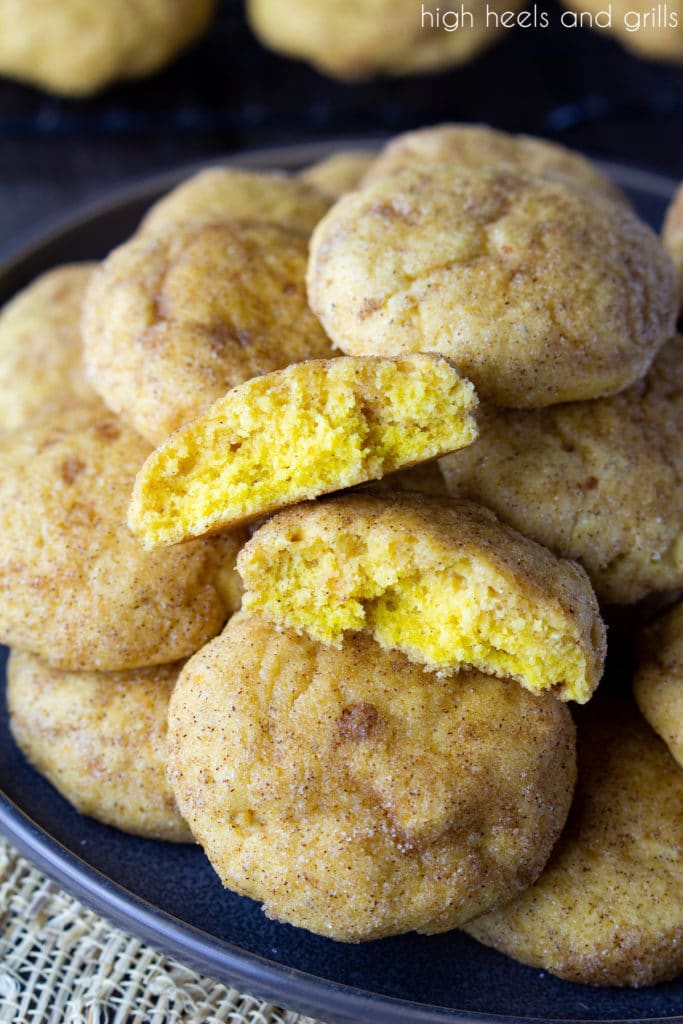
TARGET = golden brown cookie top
x,y
100,739
608,908
476,145
441,580
540,293
76,588
176,317
355,794
229,193
600,481
658,680
41,362
356,41
76,48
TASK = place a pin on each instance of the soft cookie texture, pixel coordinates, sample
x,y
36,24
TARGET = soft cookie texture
x,y
76,588
672,234
77,47
441,580
229,193
600,481
176,317
356,795
394,37
474,145
658,681
338,173
41,364
608,908
100,739
310,429
540,292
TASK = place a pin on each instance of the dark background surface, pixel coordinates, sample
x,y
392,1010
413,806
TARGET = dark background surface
x,y
229,93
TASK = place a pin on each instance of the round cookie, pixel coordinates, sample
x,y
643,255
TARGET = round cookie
x,y
176,317
658,680
672,234
76,47
441,580
339,173
100,739
315,427
229,193
608,908
475,145
600,482
641,27
41,363
540,293
356,795
76,588
393,37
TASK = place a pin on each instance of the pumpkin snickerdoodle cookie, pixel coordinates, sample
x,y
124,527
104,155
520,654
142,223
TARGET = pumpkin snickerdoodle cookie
x,y
177,316
76,588
100,739
600,481
76,47
310,429
608,907
540,292
441,580
658,680
355,794
339,173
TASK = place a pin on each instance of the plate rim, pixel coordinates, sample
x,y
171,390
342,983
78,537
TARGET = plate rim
x,y
273,981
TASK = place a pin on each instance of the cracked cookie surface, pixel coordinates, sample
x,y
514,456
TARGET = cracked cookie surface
x,y
177,316
658,680
539,292
600,482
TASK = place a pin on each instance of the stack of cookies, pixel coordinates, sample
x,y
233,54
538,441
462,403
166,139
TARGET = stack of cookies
x,y
314,496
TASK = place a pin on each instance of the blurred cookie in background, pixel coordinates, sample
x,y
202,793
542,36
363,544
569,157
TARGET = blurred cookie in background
x,y
377,37
76,47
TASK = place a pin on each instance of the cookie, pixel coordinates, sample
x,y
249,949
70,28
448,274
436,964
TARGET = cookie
x,y
41,365
672,234
339,173
658,681
540,293
477,145
174,318
608,908
356,795
76,48
100,739
229,193
441,580
76,588
600,481
310,429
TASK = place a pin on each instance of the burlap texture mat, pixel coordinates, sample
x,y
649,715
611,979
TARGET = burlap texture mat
x,y
61,963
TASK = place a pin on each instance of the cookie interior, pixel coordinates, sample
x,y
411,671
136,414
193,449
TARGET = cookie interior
x,y
313,428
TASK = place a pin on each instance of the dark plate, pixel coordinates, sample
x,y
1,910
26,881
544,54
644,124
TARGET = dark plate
x,y
170,896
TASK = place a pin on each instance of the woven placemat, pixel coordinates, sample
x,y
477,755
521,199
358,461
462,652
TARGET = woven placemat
x,y
60,963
